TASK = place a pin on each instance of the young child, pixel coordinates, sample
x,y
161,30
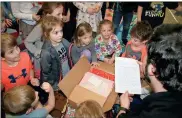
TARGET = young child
x,y
16,66
89,109
89,12
136,47
22,101
27,13
54,60
107,45
83,40
33,42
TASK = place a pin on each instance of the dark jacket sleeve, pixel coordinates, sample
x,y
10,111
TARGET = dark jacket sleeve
x,y
45,63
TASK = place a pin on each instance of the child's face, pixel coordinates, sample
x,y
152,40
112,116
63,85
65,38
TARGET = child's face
x,y
56,34
136,42
86,39
106,31
12,54
58,12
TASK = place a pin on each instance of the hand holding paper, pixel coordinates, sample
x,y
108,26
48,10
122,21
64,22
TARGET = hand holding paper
x,y
127,76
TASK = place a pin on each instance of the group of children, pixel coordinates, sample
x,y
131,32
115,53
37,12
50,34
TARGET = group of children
x,y
53,56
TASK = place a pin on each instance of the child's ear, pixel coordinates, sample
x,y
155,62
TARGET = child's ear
x,y
151,70
144,42
2,58
45,34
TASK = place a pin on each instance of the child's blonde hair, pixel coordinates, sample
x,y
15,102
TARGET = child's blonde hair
x,y
89,109
80,31
19,99
49,7
104,22
48,23
7,41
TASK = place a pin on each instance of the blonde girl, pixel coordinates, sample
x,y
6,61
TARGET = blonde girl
x,y
107,45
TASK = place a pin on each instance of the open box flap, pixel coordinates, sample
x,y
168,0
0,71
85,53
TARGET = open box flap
x,y
74,76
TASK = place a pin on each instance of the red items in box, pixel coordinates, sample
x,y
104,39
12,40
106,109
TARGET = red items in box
x,y
102,73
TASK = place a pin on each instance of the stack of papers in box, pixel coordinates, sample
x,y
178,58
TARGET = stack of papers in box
x,y
97,84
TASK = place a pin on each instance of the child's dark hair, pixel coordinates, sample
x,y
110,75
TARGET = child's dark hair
x,y
80,31
104,22
7,41
142,31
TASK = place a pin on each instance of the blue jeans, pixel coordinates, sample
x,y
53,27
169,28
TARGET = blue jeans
x,y
127,19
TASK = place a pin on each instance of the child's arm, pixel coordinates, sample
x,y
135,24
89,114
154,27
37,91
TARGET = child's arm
x,y
34,81
67,17
139,13
98,50
51,100
18,14
83,7
98,6
117,47
34,36
45,62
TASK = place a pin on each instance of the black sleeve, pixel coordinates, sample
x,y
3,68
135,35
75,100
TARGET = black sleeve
x,y
171,5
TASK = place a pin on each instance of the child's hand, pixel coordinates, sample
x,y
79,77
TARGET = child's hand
x,y
8,22
34,82
90,11
35,17
106,60
95,64
66,19
111,61
97,8
47,87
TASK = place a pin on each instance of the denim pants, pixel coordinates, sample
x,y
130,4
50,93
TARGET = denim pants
x,y
127,19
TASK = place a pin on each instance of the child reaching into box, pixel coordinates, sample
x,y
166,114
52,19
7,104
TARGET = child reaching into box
x,y
136,47
83,40
107,45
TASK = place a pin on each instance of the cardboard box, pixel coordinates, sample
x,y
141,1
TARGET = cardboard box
x,y
77,94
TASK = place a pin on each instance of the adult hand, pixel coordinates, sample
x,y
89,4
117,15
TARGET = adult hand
x,y
66,19
97,8
125,100
90,11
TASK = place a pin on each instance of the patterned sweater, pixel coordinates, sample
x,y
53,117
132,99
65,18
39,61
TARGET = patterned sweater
x,y
112,47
